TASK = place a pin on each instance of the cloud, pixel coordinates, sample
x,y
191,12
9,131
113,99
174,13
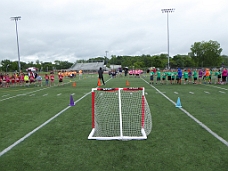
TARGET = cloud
x,y
70,30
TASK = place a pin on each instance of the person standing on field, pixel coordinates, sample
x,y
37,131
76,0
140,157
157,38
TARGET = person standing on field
x,y
52,77
179,73
195,75
100,75
185,76
60,79
151,76
158,73
47,79
224,75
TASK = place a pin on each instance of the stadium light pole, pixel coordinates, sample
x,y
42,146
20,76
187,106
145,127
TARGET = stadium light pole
x,y
168,11
18,49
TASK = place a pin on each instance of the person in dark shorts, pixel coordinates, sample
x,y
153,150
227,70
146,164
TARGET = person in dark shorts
x,y
60,79
151,77
100,75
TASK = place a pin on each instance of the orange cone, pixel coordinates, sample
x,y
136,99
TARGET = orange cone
x,y
127,83
74,84
98,82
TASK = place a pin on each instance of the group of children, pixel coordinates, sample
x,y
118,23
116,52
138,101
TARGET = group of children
x,y
187,76
29,78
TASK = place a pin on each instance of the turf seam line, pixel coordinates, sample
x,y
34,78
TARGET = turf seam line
x,y
192,117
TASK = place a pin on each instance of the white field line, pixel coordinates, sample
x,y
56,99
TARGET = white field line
x,y
27,93
222,92
175,92
39,127
192,117
59,94
5,95
22,94
215,87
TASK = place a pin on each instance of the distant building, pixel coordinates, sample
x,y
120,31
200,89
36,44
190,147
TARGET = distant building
x,y
90,67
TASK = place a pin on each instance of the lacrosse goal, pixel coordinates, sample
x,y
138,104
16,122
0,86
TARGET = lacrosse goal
x,y
120,114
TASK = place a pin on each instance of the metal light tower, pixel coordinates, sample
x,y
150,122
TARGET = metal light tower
x,y
168,11
18,50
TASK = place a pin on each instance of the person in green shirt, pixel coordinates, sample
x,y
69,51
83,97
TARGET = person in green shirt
x,y
158,73
151,77
173,76
169,76
195,76
218,75
185,76
164,77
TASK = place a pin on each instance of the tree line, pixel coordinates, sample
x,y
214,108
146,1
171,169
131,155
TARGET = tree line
x,y
202,54
12,66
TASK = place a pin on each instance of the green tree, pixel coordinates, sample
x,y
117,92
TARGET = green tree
x,y
126,61
138,65
206,53
5,63
182,61
158,62
65,64
47,66
14,66
224,60
37,65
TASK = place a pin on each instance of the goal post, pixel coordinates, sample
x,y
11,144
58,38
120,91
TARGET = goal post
x,y
120,114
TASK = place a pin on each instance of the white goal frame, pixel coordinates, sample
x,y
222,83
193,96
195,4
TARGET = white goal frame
x,y
145,115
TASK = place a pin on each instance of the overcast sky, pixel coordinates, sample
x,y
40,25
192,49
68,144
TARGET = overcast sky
x,y
69,30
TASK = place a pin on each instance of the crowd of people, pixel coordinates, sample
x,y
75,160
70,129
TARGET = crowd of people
x,y
30,78
188,76
172,76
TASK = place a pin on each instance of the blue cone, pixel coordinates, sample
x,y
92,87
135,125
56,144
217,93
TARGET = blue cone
x,y
178,104
71,101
